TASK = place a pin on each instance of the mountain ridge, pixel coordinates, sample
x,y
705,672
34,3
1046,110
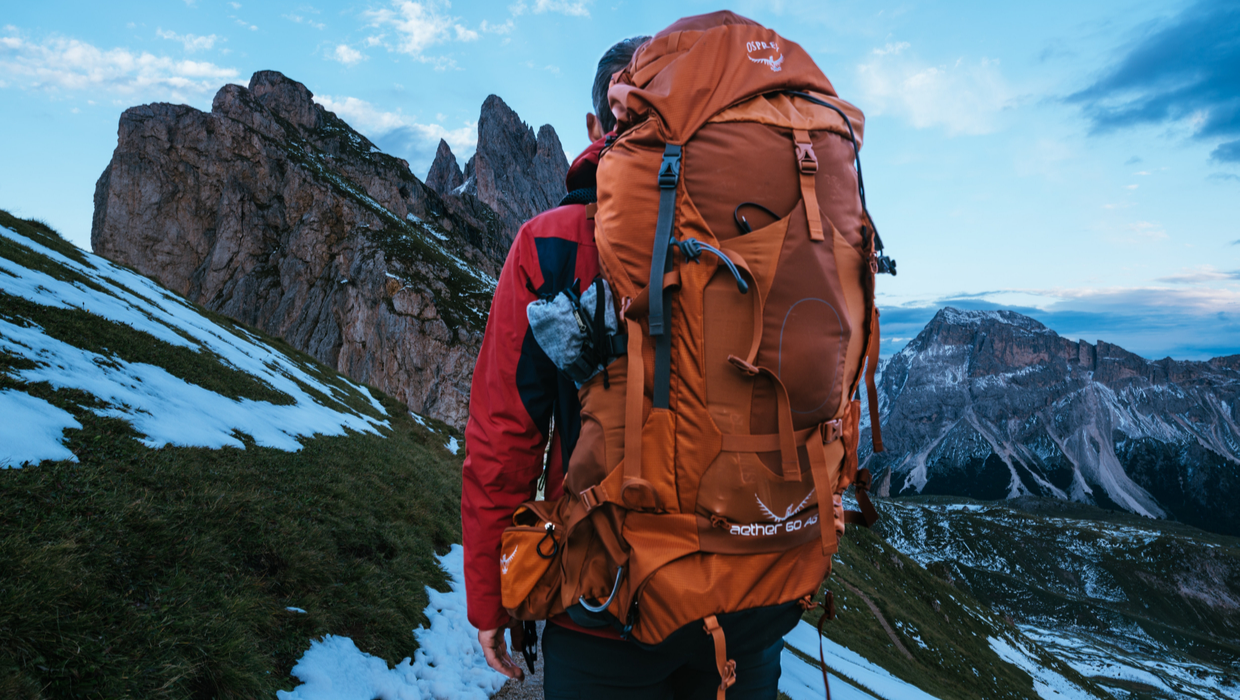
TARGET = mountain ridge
x,y
271,210
993,404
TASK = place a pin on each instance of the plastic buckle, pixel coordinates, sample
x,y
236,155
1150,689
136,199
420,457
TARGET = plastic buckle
x,y
832,430
589,498
807,160
669,171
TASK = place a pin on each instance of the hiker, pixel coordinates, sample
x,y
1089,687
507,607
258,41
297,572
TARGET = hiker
x,y
697,315
517,392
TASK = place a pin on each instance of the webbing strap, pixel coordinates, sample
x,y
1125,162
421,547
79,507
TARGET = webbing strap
x,y
820,470
868,515
790,463
634,389
759,303
725,666
660,263
640,305
807,163
828,613
871,394
669,175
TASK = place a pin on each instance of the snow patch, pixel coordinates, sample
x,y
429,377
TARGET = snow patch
x,y
453,446
32,430
1048,684
448,665
802,681
163,408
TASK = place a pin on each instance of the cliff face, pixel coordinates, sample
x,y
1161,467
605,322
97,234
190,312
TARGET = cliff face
x,y
513,173
272,210
995,405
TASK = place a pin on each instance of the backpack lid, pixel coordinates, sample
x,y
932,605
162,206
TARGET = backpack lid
x,y
704,64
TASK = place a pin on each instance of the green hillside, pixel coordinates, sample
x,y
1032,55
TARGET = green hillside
x,y
141,572
927,632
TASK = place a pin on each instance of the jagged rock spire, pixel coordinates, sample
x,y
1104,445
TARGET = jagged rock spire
x,y
445,175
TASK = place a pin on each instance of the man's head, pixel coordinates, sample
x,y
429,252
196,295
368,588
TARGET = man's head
x,y
612,62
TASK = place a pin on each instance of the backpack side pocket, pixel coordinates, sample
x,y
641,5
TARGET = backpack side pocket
x,y
529,562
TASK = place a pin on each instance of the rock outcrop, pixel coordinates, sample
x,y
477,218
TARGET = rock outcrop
x,y
445,175
992,404
513,173
273,211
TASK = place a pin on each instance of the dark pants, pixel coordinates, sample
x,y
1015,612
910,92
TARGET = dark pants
x,y
584,667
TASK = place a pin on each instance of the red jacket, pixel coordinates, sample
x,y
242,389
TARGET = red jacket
x,y
517,393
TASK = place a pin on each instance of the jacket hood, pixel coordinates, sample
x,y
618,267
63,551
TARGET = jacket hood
x,y
581,172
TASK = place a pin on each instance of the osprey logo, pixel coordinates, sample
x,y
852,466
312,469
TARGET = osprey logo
x,y
775,61
792,510
504,561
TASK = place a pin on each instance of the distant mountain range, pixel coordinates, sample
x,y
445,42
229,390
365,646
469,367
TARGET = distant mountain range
x,y
993,405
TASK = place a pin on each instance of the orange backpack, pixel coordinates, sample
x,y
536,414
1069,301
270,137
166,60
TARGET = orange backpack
x,y
731,226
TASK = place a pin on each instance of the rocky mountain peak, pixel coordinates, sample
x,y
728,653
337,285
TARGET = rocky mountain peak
x,y
975,318
445,175
272,210
285,97
516,173
993,404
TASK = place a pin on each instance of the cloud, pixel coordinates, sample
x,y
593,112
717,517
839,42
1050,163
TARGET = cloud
x,y
1227,152
419,26
1185,69
299,19
1223,177
400,135
347,55
1204,273
1147,231
963,97
572,8
59,64
191,42
1157,321
243,23
505,28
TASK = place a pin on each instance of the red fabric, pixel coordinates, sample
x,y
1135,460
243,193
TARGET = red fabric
x,y
563,620
504,446
581,172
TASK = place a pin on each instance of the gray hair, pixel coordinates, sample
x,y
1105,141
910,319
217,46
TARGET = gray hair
x,y
616,58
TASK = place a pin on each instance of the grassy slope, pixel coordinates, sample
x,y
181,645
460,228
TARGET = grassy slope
x,y
956,661
1164,578
141,573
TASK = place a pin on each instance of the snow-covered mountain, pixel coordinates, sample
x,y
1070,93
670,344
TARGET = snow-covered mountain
x,y
992,404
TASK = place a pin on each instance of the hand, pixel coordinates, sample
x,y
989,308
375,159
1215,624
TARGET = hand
x,y
496,651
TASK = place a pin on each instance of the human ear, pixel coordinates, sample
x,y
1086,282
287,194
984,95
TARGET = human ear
x,y
593,127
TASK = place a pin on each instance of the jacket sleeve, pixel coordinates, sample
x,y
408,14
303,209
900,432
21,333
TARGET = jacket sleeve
x,y
511,403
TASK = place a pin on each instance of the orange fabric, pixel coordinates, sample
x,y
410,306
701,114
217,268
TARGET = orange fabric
x,y
807,161
767,442
713,504
824,480
640,306
719,536
697,585
871,360
795,112
659,471
756,292
633,400
726,60
725,666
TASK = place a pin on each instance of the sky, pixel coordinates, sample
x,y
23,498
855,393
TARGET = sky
x,y
1077,162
